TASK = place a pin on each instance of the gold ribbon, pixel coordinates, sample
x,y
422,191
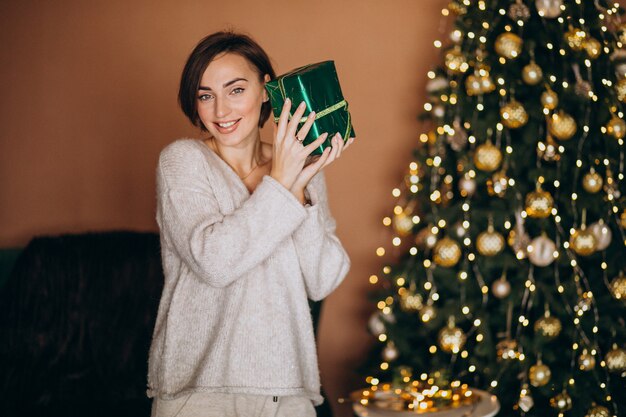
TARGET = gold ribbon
x,y
321,114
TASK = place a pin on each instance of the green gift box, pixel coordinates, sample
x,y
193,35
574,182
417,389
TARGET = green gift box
x,y
318,86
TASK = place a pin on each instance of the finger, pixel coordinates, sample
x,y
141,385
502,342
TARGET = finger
x,y
316,166
304,130
338,144
283,120
348,143
295,120
333,154
308,149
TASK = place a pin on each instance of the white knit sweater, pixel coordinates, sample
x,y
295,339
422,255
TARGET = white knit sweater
x,y
238,268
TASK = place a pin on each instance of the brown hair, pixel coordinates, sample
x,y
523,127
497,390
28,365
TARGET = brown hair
x,y
206,50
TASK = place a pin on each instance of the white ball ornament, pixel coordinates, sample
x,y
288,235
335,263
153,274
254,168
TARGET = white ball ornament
x,y
541,251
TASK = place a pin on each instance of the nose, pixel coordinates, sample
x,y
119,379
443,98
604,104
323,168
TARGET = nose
x,y
221,107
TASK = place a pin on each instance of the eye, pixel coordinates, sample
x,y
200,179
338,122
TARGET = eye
x,y
238,90
205,97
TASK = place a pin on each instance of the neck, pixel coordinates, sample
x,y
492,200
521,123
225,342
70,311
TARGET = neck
x,y
243,160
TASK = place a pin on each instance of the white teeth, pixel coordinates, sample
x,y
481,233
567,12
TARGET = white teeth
x,y
229,124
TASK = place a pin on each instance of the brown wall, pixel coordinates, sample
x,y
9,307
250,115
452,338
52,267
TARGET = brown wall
x,y
88,99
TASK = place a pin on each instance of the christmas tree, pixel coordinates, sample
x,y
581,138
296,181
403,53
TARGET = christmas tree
x,y
509,223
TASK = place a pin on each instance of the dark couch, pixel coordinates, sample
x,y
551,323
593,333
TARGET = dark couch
x,y
76,320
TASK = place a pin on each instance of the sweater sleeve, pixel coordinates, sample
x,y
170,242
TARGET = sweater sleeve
x,y
323,260
219,248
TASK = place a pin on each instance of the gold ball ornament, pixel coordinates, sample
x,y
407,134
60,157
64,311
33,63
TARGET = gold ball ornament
x,y
501,288
562,126
425,238
616,127
549,150
539,203
532,74
487,157
490,242
403,223
447,252
409,301
592,181
549,8
620,89
548,326
390,352
498,183
598,411
586,361
473,85
507,349
541,251
519,242
513,115
457,7
539,374
451,338
576,38
622,219
615,359
618,287
584,303
549,99
602,232
593,47
561,402
486,84
508,45
455,61
583,242
428,313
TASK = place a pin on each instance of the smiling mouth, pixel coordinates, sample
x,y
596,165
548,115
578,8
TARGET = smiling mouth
x,y
227,127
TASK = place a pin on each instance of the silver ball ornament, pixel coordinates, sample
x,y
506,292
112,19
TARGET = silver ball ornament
x,y
390,352
541,251
501,288
549,8
376,325
602,233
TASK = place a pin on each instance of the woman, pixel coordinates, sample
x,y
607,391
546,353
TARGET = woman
x,y
246,238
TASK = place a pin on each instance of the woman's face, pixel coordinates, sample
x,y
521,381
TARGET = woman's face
x,y
229,100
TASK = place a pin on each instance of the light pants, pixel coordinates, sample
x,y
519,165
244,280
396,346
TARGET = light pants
x,y
202,404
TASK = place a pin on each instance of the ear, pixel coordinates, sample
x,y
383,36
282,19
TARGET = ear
x,y
266,78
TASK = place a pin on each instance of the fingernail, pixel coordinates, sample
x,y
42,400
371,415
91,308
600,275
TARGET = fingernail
x,y
312,114
287,100
302,104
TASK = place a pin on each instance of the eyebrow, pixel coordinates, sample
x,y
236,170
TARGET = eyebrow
x,y
224,85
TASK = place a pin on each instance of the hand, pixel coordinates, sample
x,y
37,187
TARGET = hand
x,y
289,156
316,164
